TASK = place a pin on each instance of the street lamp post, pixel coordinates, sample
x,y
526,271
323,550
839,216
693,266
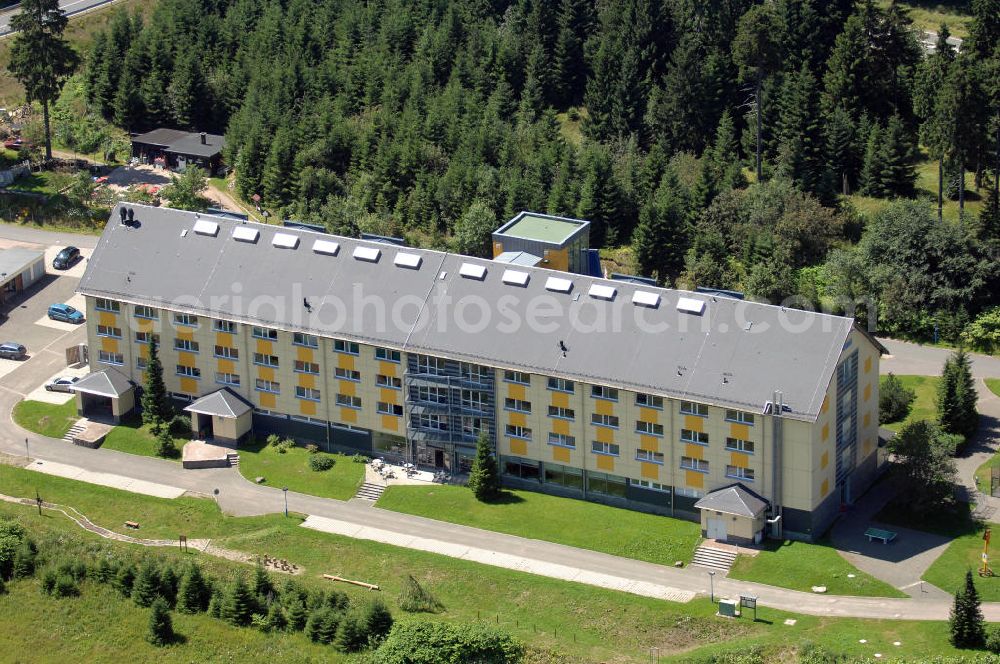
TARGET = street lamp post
x,y
27,454
711,585
284,490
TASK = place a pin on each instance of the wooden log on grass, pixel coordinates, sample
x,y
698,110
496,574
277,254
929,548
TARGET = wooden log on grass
x,y
369,586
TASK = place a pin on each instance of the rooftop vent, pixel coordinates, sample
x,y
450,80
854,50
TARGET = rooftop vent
x,y
326,247
473,271
558,285
285,240
516,277
602,292
206,227
405,259
646,299
691,305
370,254
245,234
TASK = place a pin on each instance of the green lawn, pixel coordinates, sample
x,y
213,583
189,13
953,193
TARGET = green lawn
x,y
45,182
929,15
800,565
291,470
134,437
948,571
994,385
579,523
560,621
925,405
45,418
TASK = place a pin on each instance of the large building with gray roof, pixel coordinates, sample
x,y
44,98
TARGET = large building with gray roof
x,y
613,391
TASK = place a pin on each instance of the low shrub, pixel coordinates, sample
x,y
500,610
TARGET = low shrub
x,y
414,598
180,426
359,458
448,643
65,586
284,445
320,462
894,400
312,448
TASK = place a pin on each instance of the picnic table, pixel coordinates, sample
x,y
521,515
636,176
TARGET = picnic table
x,y
877,533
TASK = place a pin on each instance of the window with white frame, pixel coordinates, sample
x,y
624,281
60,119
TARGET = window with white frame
x,y
387,355
649,401
649,456
691,463
227,353
106,357
146,337
141,363
306,367
389,382
739,473
347,374
602,392
650,428
473,426
307,393
562,440
348,401
692,408
739,445
561,385
270,386
430,365
265,360
186,345
386,408
188,320
518,377
264,333
517,405
608,449
109,331
691,436
142,311
514,431
103,304
226,326
739,416
224,378
432,394
604,420
346,347
307,340
562,413
475,399
651,485
474,372
189,372
688,493
429,421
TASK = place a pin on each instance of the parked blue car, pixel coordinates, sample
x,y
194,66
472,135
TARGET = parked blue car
x,y
65,313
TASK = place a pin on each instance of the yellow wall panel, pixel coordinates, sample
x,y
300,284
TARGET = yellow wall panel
x,y
227,366
556,259
348,415
650,471
741,431
603,407
307,407
224,339
868,392
187,359
518,447
560,426
265,347
824,460
560,399
868,364
605,463
388,396
185,333
387,368
109,345
826,404
560,454
694,451
143,351
739,460
107,318
516,392
267,400
189,386
303,354
390,422
826,431
694,479
824,488
517,419
694,423
497,249
605,435
651,443
347,387
345,361
143,324
649,415
265,373
307,380
868,419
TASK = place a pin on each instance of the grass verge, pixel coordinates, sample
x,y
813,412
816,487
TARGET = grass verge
x,y
924,407
46,419
291,470
578,523
800,565
994,385
134,437
948,571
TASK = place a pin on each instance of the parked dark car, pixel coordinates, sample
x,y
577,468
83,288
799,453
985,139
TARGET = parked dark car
x,y
11,350
66,258
65,313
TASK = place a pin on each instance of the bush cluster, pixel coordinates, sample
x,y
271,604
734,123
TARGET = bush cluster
x,y
320,462
894,399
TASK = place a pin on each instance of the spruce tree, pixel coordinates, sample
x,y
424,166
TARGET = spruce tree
x,y
215,604
238,607
966,621
24,561
662,237
192,594
262,584
988,229
800,139
898,173
147,584
378,620
161,627
957,398
275,621
125,579
758,54
156,408
168,585
165,446
874,164
484,479
351,636
297,615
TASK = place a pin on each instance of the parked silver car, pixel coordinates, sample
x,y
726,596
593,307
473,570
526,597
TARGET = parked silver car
x,y
61,384
11,350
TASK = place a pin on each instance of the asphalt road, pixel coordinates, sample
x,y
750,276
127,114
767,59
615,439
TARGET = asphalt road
x,y
71,7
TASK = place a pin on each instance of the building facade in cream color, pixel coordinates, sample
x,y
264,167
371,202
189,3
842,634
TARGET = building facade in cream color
x,y
803,436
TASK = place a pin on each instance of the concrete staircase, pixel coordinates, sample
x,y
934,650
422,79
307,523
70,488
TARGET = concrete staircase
x,y
714,557
234,459
369,491
74,431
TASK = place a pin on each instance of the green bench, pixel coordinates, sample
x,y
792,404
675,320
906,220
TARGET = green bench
x,y
876,533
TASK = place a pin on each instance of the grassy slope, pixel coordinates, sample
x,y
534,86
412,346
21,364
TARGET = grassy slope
x,y
994,385
579,622
135,438
929,15
799,566
45,418
563,520
925,405
948,571
291,470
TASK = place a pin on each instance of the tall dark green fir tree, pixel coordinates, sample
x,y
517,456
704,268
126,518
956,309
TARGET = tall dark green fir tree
x,y
966,623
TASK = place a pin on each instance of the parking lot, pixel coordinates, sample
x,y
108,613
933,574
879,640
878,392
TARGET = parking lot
x,y
24,319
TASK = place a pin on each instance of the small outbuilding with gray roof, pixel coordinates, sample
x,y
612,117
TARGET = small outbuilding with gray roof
x,y
20,267
176,149
221,416
104,395
733,514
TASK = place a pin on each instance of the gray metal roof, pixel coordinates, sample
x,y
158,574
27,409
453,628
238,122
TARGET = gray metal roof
x,y
162,137
734,499
735,354
222,403
104,383
15,260
518,258
183,142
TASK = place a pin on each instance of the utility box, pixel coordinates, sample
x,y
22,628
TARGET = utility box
x,y
729,608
